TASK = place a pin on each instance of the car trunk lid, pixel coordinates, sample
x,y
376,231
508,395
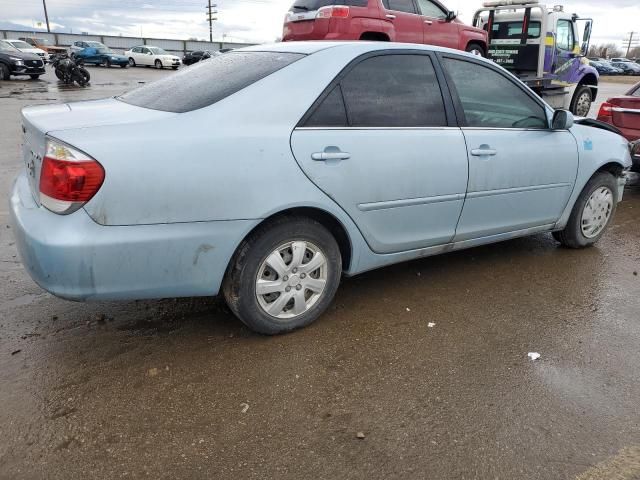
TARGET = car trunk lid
x,y
43,120
626,112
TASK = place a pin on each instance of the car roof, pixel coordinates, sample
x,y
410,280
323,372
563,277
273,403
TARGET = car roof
x,y
359,47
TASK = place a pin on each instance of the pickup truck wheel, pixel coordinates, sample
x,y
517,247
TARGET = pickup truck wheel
x,y
476,49
592,212
581,103
5,74
283,276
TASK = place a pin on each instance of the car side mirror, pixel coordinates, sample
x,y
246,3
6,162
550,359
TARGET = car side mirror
x,y
562,120
451,16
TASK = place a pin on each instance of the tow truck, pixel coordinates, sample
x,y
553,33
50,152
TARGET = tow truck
x,y
542,47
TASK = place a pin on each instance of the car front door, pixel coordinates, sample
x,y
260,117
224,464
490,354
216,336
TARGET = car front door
x,y
407,24
379,142
521,173
436,29
567,51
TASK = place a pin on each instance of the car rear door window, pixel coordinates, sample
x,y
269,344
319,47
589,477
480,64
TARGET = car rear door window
x,y
196,87
406,6
394,91
491,100
331,112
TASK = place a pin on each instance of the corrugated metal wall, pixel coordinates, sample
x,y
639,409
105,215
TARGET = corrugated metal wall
x,y
124,43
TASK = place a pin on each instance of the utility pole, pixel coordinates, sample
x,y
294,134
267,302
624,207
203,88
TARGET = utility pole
x,y
46,15
631,42
211,11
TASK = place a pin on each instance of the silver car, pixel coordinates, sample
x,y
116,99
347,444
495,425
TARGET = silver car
x,y
269,172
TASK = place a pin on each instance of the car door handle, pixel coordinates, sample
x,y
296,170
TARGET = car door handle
x,y
484,151
330,153
390,17
428,22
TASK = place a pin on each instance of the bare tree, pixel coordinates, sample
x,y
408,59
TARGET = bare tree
x,y
605,50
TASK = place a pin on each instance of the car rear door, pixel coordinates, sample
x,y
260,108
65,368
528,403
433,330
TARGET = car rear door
x,y
521,173
436,29
407,23
382,143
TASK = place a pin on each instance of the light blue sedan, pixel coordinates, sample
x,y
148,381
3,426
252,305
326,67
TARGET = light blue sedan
x,y
269,172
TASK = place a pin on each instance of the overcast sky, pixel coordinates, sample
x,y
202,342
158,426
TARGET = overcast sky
x,y
247,20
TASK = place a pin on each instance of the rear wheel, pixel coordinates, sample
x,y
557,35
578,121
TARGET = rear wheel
x,y
5,73
132,62
124,66
158,64
581,103
34,77
283,276
476,49
592,212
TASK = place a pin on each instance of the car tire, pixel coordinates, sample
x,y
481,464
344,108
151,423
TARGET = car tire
x,y
126,65
592,213
174,68
34,77
5,73
132,62
107,63
581,102
158,64
279,239
476,49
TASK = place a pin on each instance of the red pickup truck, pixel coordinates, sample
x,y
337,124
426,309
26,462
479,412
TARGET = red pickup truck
x,y
410,21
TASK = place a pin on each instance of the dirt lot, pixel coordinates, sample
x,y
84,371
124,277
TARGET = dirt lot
x,y
179,389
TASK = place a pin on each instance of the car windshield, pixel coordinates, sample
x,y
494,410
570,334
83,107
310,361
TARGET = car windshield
x,y
196,87
42,41
157,51
513,30
6,46
95,44
20,44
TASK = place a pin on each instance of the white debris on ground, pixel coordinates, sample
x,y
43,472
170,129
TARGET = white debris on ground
x,y
431,324
534,355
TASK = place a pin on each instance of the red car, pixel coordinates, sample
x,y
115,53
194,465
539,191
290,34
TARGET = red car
x,y
410,21
623,113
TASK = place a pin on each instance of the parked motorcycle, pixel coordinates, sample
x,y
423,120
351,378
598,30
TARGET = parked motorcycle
x,y
70,70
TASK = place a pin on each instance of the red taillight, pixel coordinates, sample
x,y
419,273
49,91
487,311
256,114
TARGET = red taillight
x,y
606,111
335,11
68,178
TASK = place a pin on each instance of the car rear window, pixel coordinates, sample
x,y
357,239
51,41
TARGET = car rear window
x,y
513,30
310,5
208,82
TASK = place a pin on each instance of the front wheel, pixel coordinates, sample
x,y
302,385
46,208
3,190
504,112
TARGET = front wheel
x,y
132,62
592,213
283,276
5,73
34,77
581,103
158,64
107,63
476,49
81,76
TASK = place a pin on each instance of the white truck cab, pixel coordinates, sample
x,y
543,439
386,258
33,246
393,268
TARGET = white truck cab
x,y
545,47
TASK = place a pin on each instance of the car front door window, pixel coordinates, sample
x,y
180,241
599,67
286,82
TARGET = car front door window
x,y
430,9
565,40
489,99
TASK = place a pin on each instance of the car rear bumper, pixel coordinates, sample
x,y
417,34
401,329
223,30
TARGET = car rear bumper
x,y
75,258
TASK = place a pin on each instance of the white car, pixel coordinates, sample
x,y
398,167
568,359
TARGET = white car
x,y
26,48
152,56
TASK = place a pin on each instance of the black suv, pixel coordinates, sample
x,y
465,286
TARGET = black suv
x,y
15,62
